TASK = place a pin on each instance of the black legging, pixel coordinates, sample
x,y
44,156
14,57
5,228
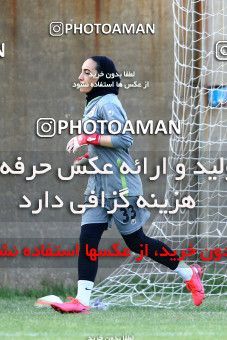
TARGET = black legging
x,y
91,235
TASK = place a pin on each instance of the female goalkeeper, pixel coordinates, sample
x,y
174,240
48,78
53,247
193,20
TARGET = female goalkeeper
x,y
102,103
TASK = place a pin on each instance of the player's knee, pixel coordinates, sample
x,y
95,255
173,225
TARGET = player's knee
x,y
134,240
134,247
86,235
91,233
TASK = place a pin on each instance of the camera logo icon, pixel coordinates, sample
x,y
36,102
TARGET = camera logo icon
x,y
56,28
45,127
221,50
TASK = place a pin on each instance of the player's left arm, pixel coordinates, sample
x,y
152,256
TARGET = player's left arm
x,y
108,112
115,141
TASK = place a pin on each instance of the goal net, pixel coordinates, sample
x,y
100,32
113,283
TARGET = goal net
x,y
200,103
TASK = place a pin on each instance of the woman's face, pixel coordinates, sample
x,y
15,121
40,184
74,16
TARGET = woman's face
x,y
88,76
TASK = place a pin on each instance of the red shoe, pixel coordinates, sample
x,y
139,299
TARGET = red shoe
x,y
73,306
195,285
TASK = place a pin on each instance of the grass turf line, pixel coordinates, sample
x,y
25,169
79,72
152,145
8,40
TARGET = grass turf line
x,y
21,320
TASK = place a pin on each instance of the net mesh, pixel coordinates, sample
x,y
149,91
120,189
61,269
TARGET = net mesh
x,y
200,70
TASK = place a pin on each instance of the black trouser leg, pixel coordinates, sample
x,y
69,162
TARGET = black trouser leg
x,y
91,235
138,238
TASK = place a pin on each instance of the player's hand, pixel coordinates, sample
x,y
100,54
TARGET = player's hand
x,y
78,141
82,159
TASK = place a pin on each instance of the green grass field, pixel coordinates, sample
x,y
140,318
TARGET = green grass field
x,y
20,320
